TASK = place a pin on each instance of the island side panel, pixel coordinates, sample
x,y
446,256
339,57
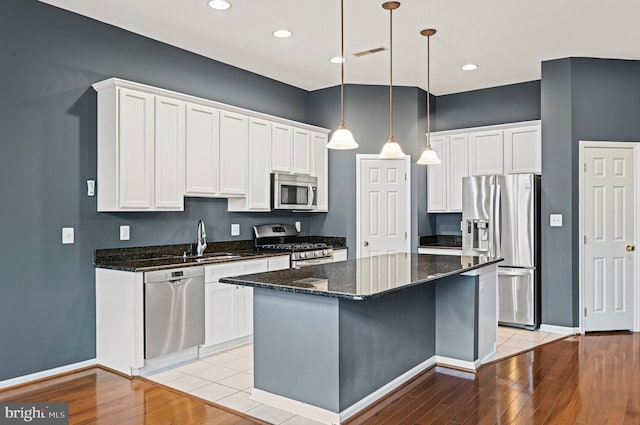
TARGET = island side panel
x,y
295,346
382,338
457,317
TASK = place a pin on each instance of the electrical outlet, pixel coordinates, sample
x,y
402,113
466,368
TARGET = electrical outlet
x,y
67,235
235,230
125,233
555,220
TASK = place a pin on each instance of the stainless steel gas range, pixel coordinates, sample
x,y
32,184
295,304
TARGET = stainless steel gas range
x,y
284,238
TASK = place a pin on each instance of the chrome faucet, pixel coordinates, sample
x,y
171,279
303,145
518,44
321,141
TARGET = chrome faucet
x,y
202,239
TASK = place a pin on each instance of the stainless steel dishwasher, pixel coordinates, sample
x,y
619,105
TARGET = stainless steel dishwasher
x,y
173,310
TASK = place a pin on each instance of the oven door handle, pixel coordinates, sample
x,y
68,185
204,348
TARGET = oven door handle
x,y
311,196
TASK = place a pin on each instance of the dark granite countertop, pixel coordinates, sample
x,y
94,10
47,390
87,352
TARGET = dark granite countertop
x,y
352,279
150,258
441,241
161,257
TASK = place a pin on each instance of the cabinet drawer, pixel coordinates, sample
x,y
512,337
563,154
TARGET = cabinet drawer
x,y
215,272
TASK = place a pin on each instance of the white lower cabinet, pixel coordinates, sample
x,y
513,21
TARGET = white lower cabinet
x,y
229,308
339,255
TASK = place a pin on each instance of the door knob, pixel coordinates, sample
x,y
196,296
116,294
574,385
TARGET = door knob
x,y
367,244
631,248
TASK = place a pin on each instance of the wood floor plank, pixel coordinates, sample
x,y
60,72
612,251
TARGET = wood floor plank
x,y
96,396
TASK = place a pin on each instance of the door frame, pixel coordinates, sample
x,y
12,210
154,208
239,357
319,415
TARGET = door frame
x,y
635,146
359,159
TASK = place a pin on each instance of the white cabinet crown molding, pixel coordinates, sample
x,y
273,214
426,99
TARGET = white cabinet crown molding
x,y
118,82
505,126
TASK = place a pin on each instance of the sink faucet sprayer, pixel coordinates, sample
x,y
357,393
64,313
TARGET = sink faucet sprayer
x,y
202,239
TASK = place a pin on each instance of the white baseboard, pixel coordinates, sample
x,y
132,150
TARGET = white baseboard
x,y
294,406
458,364
333,418
386,389
46,373
565,330
206,350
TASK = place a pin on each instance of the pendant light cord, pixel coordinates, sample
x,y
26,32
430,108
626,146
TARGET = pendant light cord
x,y
390,74
342,63
428,92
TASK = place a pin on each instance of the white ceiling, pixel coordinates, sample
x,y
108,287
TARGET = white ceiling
x,y
508,39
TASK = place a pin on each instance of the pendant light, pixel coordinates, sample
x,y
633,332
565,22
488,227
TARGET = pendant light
x,y
429,156
342,137
391,149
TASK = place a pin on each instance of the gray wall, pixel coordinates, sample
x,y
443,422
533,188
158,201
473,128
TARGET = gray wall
x,y
367,116
48,60
582,99
496,105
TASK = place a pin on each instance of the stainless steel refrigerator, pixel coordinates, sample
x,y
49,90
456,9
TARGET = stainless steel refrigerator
x,y
501,218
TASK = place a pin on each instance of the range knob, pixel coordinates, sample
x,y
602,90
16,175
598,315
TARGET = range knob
x,y
325,252
303,255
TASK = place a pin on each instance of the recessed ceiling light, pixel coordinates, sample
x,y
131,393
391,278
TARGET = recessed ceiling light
x,y
282,33
219,4
469,67
337,59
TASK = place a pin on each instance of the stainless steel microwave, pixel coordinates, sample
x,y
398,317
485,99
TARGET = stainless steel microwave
x,y
293,192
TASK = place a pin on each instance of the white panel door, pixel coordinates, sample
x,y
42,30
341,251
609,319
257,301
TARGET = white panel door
x,y
437,177
169,154
135,144
458,163
485,148
522,150
234,153
609,230
301,151
202,151
383,200
281,148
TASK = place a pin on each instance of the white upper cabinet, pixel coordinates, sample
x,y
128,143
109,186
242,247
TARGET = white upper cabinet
x,y
281,148
486,149
301,151
156,146
523,150
203,151
444,181
498,149
259,168
234,154
169,153
291,149
140,150
320,169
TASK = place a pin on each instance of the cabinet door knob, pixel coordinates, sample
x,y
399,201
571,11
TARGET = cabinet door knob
x,y
631,248
366,243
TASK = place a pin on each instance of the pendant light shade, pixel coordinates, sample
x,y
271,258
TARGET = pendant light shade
x,y
429,156
342,137
391,149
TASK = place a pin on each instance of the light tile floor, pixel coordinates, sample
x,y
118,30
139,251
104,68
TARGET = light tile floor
x,y
226,378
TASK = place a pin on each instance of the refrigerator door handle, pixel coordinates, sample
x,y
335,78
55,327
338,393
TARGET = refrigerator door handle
x,y
497,222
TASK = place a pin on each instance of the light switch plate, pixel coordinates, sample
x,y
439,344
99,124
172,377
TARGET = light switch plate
x,y
555,220
125,233
235,230
91,187
298,227
67,235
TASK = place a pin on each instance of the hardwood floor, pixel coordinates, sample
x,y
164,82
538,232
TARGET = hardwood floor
x,y
593,379
96,396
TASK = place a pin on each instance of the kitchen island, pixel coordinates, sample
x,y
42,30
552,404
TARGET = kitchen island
x,y
333,338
